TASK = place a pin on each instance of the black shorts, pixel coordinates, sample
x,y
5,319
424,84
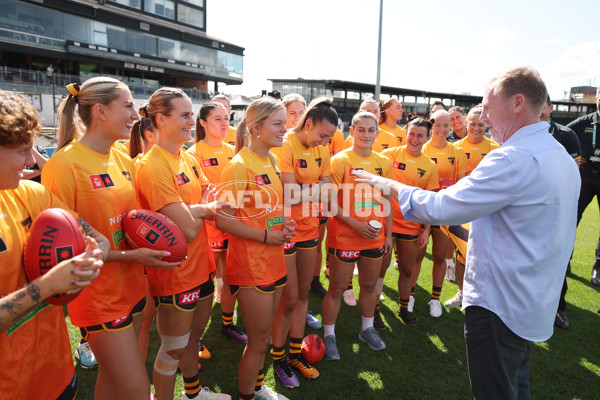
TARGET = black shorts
x,y
70,391
435,227
234,289
290,247
352,256
220,245
117,325
187,301
322,218
405,237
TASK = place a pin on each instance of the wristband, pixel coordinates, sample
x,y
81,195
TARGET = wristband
x,y
265,239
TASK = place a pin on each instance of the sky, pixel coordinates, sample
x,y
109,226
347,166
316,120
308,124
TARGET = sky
x,y
453,46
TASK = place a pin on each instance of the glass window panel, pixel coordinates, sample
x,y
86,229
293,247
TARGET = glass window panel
x,y
77,28
164,8
191,16
129,3
150,45
199,3
169,49
117,38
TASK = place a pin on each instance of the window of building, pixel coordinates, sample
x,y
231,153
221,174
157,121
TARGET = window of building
x,y
199,3
129,3
191,16
99,33
164,8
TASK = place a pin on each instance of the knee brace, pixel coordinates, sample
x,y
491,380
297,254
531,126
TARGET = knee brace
x,y
164,363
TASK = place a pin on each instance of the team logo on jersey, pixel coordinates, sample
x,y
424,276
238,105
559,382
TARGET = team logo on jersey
x,y
26,223
468,156
421,172
182,179
483,154
127,175
149,234
210,162
3,246
101,181
434,159
300,163
451,160
399,165
64,253
385,145
399,139
118,237
319,161
196,171
262,179
379,171
354,169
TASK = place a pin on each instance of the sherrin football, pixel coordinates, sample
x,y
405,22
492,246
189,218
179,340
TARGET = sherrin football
x,y
54,236
145,228
313,348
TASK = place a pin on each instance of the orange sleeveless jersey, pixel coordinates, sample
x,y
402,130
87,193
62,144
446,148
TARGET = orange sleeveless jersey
x,y
398,131
163,178
252,185
213,160
451,162
360,201
413,171
384,140
36,361
336,143
100,188
308,165
476,152
230,137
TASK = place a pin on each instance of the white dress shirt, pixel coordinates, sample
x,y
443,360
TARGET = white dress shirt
x,y
522,201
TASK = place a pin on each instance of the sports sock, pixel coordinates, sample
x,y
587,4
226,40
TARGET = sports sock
x,y
449,262
191,386
328,330
412,291
219,281
435,292
260,380
246,396
366,323
278,353
295,347
227,319
404,304
349,285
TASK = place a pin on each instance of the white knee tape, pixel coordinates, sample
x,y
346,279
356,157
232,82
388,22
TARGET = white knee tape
x,y
164,363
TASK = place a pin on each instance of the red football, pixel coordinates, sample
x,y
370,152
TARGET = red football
x,y
313,348
145,228
55,235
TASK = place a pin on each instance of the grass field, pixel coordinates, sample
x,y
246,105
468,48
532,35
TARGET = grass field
x,y
424,362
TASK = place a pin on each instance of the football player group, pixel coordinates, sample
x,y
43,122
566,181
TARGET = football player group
x,y
152,230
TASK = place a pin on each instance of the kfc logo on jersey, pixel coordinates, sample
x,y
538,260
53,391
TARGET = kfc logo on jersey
x,y
288,245
262,179
64,253
119,321
399,165
182,179
300,163
349,253
189,297
101,181
210,162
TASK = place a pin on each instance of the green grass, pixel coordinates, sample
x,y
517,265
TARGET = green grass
x,y
426,362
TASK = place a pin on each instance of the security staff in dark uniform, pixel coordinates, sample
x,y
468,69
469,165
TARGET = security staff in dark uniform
x,y
588,132
568,138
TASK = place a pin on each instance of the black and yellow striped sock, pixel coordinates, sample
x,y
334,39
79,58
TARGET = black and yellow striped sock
x,y
349,285
260,380
377,307
191,386
403,304
227,318
435,292
412,291
295,347
278,353
246,396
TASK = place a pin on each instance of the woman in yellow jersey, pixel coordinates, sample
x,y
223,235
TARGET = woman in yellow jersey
x,y
36,357
251,212
93,178
170,181
391,113
213,155
305,164
356,233
295,106
413,168
476,146
224,100
458,124
384,139
452,166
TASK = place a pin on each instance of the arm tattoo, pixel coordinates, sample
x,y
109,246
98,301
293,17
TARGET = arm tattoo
x,y
34,292
11,305
103,243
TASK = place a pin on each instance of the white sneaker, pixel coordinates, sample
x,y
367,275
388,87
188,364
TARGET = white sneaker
x,y
349,298
266,393
455,301
435,308
411,304
86,357
206,394
450,274
355,272
381,297
218,291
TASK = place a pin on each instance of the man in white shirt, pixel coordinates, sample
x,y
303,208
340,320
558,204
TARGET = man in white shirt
x,y
522,201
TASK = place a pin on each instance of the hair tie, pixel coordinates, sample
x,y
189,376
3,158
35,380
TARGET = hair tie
x,y
73,89
146,111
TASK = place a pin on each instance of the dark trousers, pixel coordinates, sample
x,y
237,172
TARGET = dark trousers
x,y
498,360
590,188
